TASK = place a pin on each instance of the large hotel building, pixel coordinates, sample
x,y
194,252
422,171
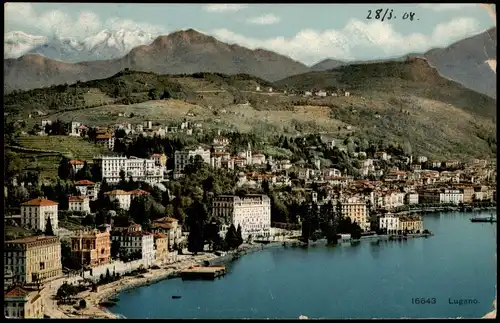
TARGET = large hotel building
x,y
252,212
33,259
139,169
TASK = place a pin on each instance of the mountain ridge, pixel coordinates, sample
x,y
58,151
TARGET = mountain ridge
x,y
189,51
393,101
464,61
181,52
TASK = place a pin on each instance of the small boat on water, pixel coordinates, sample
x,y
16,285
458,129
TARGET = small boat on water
x,y
176,296
490,219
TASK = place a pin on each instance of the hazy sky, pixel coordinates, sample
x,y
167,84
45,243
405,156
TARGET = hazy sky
x,y
307,33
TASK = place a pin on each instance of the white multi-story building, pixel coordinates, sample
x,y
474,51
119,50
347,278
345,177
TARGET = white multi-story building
x,y
34,214
390,223
411,198
106,140
123,198
75,129
79,204
144,170
221,160
252,212
451,196
356,210
182,158
137,241
88,188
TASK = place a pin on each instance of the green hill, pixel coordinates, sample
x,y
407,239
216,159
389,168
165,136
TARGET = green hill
x,y
403,102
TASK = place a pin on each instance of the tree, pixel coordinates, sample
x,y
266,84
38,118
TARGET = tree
x,y
65,170
115,248
265,187
232,237
84,173
66,291
211,234
122,175
239,236
153,94
96,172
66,254
197,216
12,165
48,228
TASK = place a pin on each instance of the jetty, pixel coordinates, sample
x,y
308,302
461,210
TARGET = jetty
x,y
205,273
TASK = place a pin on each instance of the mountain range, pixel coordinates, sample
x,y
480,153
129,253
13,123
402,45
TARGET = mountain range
x,y
58,61
391,102
104,45
468,61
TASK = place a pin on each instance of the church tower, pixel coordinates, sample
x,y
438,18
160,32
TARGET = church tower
x,y
249,154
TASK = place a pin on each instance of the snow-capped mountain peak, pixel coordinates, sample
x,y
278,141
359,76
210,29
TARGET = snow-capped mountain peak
x,y
121,40
18,43
104,45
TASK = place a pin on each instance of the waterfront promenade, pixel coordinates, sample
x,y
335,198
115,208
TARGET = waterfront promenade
x,y
105,292
93,299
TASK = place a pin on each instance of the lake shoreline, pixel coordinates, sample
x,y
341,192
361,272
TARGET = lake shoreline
x,y
429,210
95,307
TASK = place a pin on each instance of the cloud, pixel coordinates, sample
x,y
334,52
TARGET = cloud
x,y
118,23
268,19
448,6
57,23
224,7
356,39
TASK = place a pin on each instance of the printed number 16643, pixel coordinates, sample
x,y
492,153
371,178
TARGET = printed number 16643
x,y
423,300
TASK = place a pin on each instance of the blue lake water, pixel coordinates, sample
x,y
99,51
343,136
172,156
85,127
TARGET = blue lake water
x,y
367,280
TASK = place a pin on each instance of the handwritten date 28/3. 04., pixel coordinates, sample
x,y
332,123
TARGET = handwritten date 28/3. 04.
x,y
388,14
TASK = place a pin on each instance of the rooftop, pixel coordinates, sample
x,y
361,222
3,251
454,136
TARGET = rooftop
x,y
166,220
84,182
31,239
39,202
98,137
117,192
16,292
139,192
78,198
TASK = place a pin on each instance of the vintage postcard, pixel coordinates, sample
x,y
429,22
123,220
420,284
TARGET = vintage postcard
x,y
250,161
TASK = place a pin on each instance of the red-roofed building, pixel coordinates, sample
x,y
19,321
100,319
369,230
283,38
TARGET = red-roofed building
x,y
106,140
77,164
34,214
88,188
79,204
22,303
170,227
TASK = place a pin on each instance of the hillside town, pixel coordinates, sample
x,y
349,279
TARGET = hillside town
x,y
110,193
